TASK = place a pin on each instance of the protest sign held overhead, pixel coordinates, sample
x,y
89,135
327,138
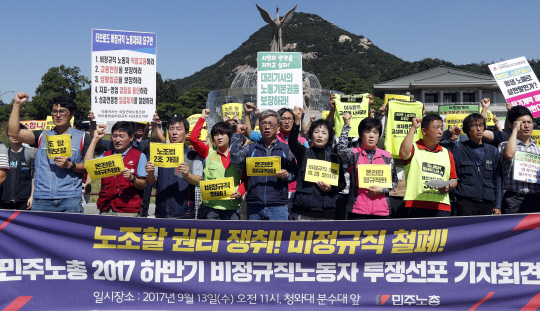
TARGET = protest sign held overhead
x,y
192,120
216,189
58,145
356,105
279,80
527,167
105,166
389,97
374,175
232,110
398,124
458,109
455,120
263,166
166,155
319,170
123,75
518,83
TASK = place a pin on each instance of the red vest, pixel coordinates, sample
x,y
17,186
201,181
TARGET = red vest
x,y
118,192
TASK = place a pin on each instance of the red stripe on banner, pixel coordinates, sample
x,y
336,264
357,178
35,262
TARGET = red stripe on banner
x,y
533,304
18,303
531,221
3,225
481,301
384,298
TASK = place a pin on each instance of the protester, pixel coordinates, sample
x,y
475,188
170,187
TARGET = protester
x,y
18,187
266,195
121,195
520,196
218,165
495,138
477,165
175,193
427,160
58,182
314,201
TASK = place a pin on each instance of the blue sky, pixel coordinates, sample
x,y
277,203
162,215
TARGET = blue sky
x,y
38,35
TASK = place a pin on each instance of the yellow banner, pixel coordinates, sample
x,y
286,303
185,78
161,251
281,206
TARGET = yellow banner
x,y
166,155
403,98
34,125
49,123
192,121
398,124
263,166
356,105
325,114
374,175
217,189
231,110
58,145
536,136
455,119
105,166
489,119
319,170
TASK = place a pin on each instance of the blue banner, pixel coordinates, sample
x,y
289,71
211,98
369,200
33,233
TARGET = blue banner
x,y
112,40
55,261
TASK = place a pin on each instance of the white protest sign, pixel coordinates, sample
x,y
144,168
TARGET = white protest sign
x,y
527,167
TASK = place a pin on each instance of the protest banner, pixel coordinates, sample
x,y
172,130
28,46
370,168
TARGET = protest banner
x,y
535,135
123,75
527,167
34,125
398,123
49,124
192,120
263,166
279,80
389,97
489,119
58,145
216,189
356,105
231,110
129,263
374,175
455,119
105,166
502,122
458,109
166,155
319,170
518,83
325,114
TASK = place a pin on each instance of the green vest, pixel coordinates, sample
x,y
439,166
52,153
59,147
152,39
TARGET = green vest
x,y
214,169
425,166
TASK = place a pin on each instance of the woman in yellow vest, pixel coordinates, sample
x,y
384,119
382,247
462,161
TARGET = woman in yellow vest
x,y
218,165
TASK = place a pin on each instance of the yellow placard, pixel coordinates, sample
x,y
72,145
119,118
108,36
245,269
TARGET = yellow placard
x,y
403,98
192,121
398,124
49,123
489,119
105,166
356,105
455,119
217,189
319,170
325,114
58,145
263,166
232,109
166,155
34,125
374,175
536,136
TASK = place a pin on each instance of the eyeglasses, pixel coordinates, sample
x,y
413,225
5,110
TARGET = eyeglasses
x,y
63,112
479,126
285,120
268,124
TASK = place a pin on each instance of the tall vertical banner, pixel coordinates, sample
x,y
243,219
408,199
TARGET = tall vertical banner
x,y
123,75
399,122
279,80
518,83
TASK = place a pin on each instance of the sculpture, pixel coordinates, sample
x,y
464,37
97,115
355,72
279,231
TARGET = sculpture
x,y
276,45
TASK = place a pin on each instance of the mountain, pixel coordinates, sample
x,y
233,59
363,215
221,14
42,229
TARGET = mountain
x,y
328,51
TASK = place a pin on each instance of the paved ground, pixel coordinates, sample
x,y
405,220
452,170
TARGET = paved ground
x,y
91,208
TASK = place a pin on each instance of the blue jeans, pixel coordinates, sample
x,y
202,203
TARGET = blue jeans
x,y
261,212
69,205
206,212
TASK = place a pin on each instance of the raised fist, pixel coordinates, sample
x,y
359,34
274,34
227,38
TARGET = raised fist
x,y
249,107
21,98
205,113
416,122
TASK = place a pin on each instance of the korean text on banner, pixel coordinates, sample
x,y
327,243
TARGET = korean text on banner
x,y
279,80
535,136
166,155
527,167
356,105
455,119
58,145
34,125
232,110
217,189
398,124
403,98
518,83
49,124
192,120
123,75
458,109
105,166
319,170
374,175
489,119
263,166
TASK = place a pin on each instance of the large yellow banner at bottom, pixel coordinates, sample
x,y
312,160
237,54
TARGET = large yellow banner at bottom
x,y
263,166
319,170
217,189
105,166
374,175
58,145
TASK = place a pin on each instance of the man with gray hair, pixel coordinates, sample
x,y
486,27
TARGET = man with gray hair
x,y
267,196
